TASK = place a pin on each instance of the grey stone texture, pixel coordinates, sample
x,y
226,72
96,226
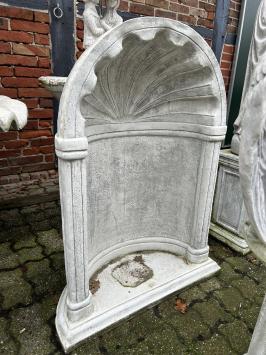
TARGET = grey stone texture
x,y
221,315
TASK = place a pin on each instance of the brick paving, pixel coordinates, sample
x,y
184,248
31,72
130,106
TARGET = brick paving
x,y
220,319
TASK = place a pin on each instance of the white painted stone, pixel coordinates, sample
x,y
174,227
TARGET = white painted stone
x,y
96,25
55,84
141,119
12,111
252,159
228,213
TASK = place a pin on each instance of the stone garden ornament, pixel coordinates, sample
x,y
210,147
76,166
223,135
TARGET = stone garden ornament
x,y
141,120
96,25
252,159
12,111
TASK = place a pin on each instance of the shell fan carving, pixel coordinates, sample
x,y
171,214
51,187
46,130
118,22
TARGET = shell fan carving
x,y
160,79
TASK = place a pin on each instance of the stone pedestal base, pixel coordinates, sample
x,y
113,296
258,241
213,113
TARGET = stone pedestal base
x,y
229,213
112,300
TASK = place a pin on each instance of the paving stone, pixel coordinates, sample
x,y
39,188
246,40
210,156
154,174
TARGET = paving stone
x,y
30,254
25,242
121,338
51,241
230,297
14,289
227,274
9,348
164,341
45,280
240,264
31,330
7,345
210,285
11,218
144,323
212,313
189,326
246,286
58,261
3,330
37,226
90,347
218,250
216,345
48,306
14,234
28,210
237,334
192,294
8,259
249,316
36,216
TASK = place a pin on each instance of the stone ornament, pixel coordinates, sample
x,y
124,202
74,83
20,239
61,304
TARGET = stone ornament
x,y
12,111
257,50
252,159
141,120
95,25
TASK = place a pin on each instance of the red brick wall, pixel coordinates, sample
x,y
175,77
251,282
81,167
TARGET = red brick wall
x,y
25,55
228,50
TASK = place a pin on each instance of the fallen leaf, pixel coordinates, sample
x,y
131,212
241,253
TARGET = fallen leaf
x,y
181,306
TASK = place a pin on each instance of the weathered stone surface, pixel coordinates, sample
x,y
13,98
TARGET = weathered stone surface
x,y
8,259
11,218
210,285
250,315
237,335
211,312
189,326
230,298
45,280
246,287
215,345
27,241
51,241
227,274
58,262
14,234
192,294
30,254
14,289
31,330
147,331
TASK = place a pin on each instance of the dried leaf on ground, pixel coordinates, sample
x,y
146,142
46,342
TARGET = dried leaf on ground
x,y
181,306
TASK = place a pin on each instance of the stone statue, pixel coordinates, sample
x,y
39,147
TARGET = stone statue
x,y
111,18
258,46
10,111
92,23
95,25
252,158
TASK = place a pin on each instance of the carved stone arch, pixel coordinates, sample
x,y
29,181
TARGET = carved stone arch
x,y
125,48
141,119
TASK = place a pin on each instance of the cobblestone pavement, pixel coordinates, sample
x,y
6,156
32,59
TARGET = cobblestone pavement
x,y
221,315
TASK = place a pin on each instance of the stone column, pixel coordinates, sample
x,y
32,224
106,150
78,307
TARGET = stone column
x,y
72,153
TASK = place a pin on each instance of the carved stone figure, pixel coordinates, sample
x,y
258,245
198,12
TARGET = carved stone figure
x,y
257,49
252,159
92,23
111,18
12,111
141,120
